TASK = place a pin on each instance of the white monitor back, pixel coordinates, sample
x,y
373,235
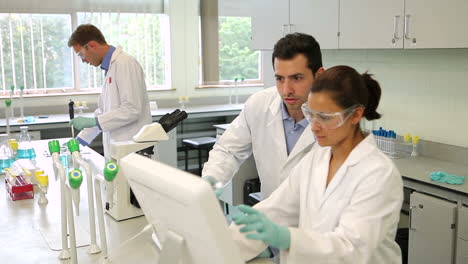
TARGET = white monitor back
x,y
184,204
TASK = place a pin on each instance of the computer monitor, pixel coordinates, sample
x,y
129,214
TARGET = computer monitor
x,y
184,210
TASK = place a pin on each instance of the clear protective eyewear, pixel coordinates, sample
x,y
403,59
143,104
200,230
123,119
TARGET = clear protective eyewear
x,y
328,120
80,53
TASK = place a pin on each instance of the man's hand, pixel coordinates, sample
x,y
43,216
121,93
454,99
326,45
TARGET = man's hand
x,y
81,123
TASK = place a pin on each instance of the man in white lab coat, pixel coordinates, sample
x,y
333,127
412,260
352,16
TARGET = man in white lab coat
x,y
123,106
272,126
341,203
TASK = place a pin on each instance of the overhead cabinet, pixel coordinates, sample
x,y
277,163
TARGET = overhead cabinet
x,y
363,24
409,24
273,19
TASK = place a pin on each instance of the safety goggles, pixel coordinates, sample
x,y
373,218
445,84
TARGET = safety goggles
x,y
80,53
328,120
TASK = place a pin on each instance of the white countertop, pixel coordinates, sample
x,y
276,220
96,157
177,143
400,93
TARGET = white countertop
x,y
64,119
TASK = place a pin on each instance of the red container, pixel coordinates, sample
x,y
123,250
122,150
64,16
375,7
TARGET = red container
x,y
21,190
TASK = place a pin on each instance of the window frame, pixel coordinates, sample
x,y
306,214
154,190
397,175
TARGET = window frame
x,y
76,63
209,65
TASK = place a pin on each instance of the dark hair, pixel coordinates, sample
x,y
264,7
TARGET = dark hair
x,y
347,88
298,43
85,33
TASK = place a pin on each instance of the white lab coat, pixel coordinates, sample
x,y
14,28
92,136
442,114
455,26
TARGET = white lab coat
x,y
259,130
353,220
123,106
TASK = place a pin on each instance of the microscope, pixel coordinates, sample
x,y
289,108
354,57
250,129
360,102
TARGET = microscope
x,y
121,203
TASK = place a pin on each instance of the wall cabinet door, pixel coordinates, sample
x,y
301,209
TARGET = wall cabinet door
x,y
371,24
431,230
436,23
270,22
318,18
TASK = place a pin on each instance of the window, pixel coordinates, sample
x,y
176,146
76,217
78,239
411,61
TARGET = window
x,y
34,35
32,52
236,58
143,36
226,43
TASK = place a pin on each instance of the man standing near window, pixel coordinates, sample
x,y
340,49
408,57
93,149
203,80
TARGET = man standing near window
x,y
123,106
271,126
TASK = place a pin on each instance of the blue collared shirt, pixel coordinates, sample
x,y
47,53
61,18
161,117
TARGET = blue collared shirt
x,y
106,61
292,130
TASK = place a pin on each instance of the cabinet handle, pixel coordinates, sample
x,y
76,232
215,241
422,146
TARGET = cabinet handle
x,y
395,27
410,217
407,36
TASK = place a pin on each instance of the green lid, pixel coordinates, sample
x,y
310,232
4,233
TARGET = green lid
x,y
110,171
8,102
242,78
235,79
73,145
75,178
54,146
12,87
21,87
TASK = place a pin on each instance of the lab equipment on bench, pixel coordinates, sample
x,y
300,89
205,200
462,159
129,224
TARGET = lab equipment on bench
x,y
7,115
68,187
121,203
43,184
6,153
12,91
393,145
71,113
21,102
18,184
205,238
74,148
25,149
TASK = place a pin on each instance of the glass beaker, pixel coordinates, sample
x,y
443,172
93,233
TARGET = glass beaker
x,y
25,149
6,153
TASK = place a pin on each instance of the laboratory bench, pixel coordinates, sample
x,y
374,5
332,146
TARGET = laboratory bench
x,y
62,120
199,122
437,212
30,232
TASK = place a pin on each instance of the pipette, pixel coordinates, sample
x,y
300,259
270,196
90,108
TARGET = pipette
x,y
71,112
21,101
7,115
12,91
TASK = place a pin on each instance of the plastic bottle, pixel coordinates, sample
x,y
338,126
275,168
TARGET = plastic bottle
x,y
6,153
25,149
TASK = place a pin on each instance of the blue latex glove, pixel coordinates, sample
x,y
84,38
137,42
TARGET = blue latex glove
x,y
272,234
215,184
441,176
81,122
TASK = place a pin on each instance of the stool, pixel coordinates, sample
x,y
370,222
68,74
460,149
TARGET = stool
x,y
198,144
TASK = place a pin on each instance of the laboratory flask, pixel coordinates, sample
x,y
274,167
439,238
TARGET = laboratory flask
x,y
6,153
25,149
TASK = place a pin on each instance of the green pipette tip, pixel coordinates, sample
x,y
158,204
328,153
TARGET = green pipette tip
x,y
75,178
110,171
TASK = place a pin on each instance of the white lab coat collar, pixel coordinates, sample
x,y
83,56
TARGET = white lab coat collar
x,y
363,149
115,54
304,140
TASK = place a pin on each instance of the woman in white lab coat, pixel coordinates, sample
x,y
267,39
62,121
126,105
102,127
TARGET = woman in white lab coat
x,y
341,203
